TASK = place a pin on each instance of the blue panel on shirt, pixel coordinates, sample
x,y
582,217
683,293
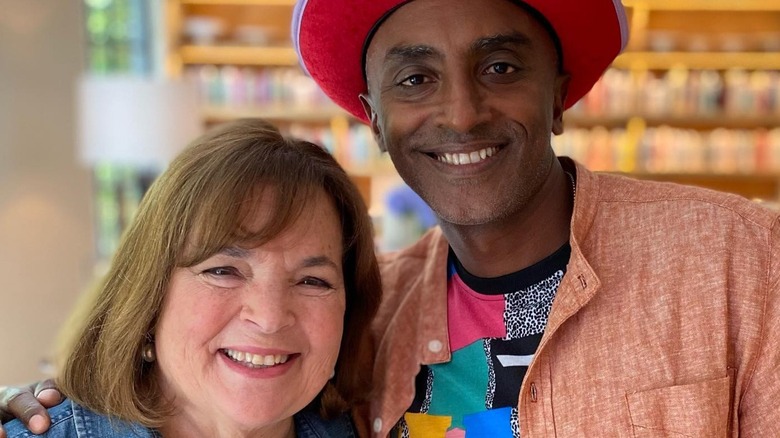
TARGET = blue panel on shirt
x,y
494,423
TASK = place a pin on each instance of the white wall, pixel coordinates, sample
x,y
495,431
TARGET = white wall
x,y
46,243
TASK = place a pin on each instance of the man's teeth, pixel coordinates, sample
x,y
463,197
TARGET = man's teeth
x,y
256,359
470,158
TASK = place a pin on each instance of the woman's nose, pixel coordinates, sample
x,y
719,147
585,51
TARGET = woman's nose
x,y
268,308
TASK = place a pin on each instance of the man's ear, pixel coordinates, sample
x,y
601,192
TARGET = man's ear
x,y
561,91
371,115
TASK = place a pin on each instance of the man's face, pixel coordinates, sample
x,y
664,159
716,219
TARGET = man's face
x,y
464,96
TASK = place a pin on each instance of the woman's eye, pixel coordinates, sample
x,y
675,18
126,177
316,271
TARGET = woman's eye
x,y
223,277
316,282
500,68
221,271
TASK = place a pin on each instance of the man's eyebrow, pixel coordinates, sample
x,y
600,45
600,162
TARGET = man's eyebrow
x,y
411,53
420,51
496,41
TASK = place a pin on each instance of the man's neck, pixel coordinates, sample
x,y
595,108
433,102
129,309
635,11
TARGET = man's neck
x,y
519,241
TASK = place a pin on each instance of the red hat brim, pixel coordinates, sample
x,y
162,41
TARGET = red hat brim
x,y
329,36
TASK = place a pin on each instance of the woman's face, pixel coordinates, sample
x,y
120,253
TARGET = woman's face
x,y
250,336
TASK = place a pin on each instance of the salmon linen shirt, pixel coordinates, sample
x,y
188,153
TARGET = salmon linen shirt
x,y
666,323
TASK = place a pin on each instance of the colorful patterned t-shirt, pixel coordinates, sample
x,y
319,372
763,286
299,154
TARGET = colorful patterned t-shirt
x,y
495,325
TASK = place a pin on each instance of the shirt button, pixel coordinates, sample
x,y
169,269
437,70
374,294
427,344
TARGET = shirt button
x,y
377,425
533,392
435,346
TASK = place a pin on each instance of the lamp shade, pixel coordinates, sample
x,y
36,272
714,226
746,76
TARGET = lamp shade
x,y
135,121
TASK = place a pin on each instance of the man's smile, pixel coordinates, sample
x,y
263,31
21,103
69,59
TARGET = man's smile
x,y
460,158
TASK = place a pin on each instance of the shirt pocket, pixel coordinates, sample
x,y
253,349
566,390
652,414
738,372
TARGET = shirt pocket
x,y
692,410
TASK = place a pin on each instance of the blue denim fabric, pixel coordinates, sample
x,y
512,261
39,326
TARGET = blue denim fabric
x,y
310,425
70,420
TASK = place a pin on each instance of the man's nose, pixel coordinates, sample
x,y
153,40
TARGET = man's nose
x,y
464,106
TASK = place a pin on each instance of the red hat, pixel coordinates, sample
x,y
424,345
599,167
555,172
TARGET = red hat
x,y
329,36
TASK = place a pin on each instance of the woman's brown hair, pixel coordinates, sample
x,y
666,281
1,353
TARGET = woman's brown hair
x,y
194,209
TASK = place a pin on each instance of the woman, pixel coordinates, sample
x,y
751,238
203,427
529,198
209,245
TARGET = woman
x,y
223,310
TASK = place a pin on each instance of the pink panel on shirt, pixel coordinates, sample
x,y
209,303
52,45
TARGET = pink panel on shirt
x,y
455,433
472,316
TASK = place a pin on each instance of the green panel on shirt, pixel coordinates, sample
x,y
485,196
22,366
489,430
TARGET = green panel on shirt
x,y
459,386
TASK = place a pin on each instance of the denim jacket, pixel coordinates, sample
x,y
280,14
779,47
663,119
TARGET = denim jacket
x,y
71,420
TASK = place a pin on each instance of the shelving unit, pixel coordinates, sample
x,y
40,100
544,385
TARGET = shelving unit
x,y
667,37
653,102
260,77
271,15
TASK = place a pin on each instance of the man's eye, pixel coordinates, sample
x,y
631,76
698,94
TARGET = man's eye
x,y
500,68
413,80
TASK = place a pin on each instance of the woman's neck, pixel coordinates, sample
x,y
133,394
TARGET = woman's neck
x,y
211,427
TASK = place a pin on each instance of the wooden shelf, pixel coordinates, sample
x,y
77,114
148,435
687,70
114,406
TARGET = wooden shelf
x,y
381,168
238,55
239,2
705,5
276,112
698,60
679,121
752,186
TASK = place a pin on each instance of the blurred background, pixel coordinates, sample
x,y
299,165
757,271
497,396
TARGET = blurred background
x,y
96,96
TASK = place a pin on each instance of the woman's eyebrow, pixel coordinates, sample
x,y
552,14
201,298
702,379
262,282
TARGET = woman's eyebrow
x,y
235,252
310,262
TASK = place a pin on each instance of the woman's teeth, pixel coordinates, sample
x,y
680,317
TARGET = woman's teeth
x,y
256,360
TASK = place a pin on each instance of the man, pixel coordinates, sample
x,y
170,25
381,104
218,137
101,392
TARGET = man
x,y
551,301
